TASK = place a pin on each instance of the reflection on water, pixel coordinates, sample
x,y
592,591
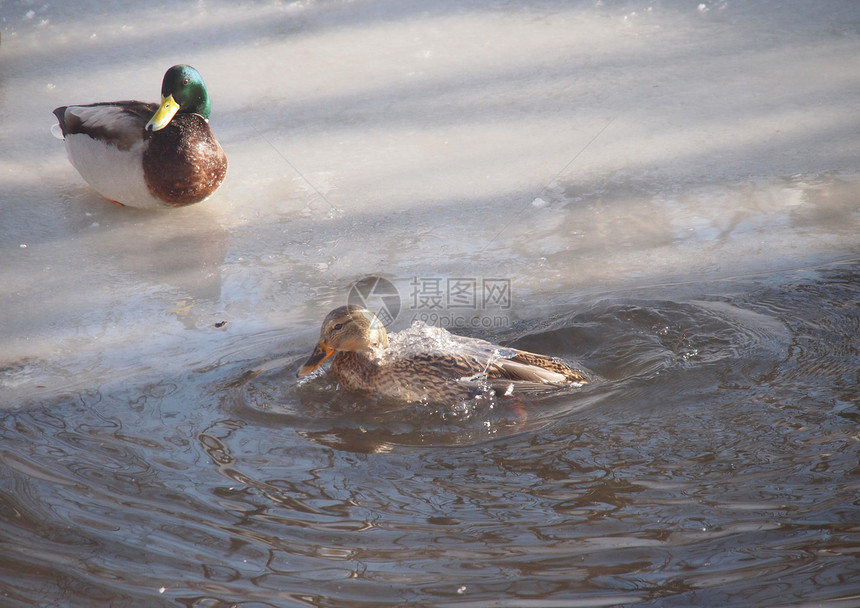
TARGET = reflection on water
x,y
714,463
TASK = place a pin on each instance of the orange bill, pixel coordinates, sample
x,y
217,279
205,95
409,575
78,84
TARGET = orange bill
x,y
318,357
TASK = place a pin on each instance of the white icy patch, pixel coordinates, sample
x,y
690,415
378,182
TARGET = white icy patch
x,y
568,147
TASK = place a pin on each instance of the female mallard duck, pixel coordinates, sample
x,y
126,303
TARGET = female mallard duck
x,y
145,155
442,368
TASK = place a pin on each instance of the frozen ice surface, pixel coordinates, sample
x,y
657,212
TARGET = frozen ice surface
x,y
569,147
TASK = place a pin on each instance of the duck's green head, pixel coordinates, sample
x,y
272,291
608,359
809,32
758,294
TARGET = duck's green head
x,y
182,90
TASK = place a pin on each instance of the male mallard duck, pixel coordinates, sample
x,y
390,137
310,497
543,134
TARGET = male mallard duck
x,y
441,368
145,155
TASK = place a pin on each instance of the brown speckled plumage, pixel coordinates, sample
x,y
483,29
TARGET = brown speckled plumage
x,y
184,163
358,344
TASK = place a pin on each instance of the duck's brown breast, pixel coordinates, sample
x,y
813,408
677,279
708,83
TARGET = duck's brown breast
x,y
184,163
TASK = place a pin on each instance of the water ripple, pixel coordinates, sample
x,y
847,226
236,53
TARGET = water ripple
x,y
714,461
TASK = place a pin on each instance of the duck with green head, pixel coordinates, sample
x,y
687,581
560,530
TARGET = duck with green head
x,y
144,154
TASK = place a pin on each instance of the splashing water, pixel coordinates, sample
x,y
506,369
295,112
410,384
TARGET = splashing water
x,y
421,338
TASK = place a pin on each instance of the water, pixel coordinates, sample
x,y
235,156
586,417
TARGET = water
x,y
666,193
714,464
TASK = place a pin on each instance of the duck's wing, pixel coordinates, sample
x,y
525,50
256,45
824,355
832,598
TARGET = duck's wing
x,y
518,365
438,362
119,123
484,370
519,371
549,365
506,377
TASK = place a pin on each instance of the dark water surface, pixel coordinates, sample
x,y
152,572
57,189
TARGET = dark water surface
x,y
715,464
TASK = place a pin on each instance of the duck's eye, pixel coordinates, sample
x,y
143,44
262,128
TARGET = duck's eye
x,y
185,82
338,326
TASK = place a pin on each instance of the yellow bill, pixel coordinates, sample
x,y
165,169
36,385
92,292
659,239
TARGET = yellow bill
x,y
163,115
